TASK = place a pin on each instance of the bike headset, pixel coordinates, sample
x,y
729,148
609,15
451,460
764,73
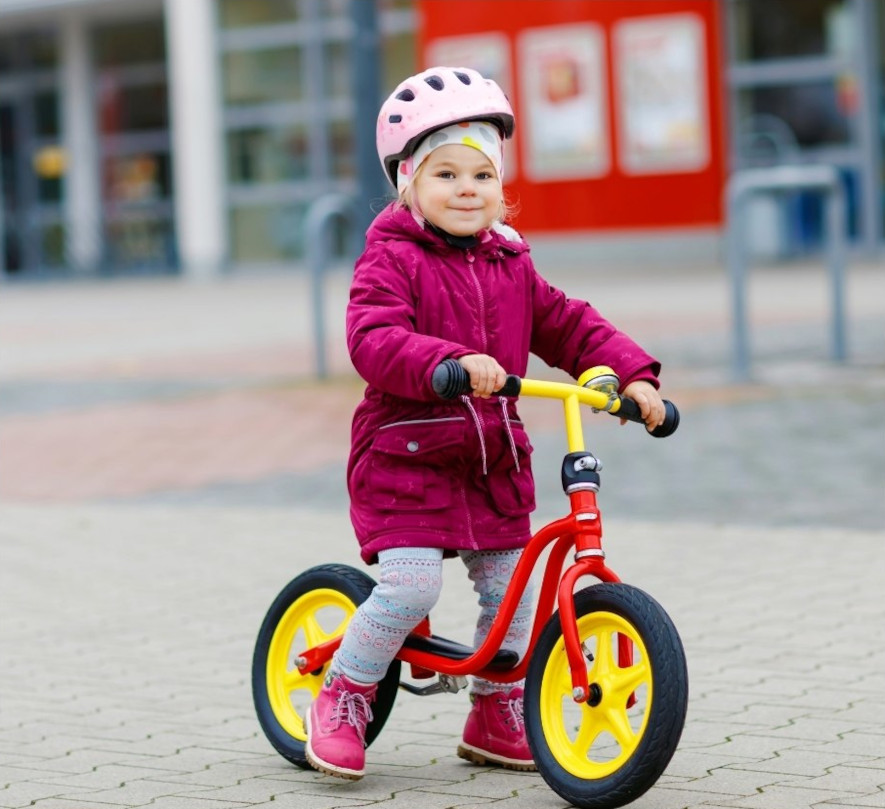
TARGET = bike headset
x,y
431,100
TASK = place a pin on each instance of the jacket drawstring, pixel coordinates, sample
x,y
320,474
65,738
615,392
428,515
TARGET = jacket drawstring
x,y
482,439
503,400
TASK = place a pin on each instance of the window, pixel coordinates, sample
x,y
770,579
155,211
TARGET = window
x,y
337,69
266,233
129,43
133,107
800,94
258,155
263,76
248,13
341,149
766,30
289,130
134,147
814,111
46,113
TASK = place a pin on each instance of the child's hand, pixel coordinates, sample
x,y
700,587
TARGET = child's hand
x,y
651,406
486,375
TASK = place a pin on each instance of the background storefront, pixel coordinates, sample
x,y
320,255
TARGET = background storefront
x,y
618,106
141,136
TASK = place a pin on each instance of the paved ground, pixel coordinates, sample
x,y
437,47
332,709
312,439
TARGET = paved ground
x,y
167,463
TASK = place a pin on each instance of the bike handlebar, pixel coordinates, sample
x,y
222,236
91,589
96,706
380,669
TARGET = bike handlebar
x,y
450,379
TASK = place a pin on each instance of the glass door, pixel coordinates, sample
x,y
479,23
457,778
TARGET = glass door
x,y
32,163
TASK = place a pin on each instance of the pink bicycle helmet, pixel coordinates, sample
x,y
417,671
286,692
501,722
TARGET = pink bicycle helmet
x,y
435,98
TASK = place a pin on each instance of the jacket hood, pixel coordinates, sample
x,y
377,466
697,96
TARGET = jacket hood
x,y
396,223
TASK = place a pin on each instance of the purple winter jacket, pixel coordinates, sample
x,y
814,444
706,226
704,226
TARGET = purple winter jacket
x,y
455,475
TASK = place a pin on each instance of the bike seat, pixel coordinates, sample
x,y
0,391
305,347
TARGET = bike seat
x,y
504,660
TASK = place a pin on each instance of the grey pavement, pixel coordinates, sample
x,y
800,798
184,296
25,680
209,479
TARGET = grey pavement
x,y
133,581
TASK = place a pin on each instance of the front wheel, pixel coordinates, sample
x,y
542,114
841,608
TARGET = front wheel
x,y
609,750
313,608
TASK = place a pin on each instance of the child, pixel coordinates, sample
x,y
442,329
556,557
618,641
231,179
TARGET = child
x,y
442,276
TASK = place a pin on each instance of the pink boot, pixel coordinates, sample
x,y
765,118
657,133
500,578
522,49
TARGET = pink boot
x,y
495,732
336,727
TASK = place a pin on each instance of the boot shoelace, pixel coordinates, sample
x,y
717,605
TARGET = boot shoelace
x,y
514,710
354,709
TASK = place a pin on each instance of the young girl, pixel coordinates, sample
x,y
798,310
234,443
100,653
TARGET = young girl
x,y
441,277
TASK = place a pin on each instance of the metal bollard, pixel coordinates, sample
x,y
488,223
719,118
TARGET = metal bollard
x,y
316,229
741,185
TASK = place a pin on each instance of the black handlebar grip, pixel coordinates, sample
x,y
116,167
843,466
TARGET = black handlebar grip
x,y
450,379
511,387
630,410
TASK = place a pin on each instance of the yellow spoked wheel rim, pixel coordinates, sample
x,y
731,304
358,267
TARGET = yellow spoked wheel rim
x,y
314,618
594,739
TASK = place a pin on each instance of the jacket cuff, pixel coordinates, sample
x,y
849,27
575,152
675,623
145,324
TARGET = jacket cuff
x,y
647,374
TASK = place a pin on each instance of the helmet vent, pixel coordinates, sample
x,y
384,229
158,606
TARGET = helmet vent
x,y
463,78
435,82
395,119
406,95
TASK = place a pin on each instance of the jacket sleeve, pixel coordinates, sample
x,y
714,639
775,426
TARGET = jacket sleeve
x,y
572,335
384,346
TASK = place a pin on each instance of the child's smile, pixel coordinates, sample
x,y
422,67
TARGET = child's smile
x,y
458,190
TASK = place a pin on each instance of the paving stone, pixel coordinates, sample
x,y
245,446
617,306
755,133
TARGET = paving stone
x,y
786,797
801,762
848,779
168,485
26,793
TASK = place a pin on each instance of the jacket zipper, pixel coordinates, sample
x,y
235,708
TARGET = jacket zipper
x,y
485,340
481,299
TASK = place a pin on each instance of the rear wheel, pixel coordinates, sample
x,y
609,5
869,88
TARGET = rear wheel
x,y
313,608
609,750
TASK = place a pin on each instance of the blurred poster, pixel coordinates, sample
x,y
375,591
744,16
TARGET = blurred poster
x,y
661,85
562,81
487,53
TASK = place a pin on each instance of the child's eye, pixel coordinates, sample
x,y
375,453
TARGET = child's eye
x,y
446,175
484,175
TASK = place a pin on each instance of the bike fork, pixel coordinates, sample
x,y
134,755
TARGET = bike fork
x,y
589,561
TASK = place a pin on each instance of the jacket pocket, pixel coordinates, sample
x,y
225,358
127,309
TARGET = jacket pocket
x,y
511,487
412,463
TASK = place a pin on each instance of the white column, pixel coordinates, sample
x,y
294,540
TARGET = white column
x,y
198,178
82,197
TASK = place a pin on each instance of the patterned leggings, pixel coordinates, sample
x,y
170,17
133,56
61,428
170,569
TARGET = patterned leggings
x,y
410,585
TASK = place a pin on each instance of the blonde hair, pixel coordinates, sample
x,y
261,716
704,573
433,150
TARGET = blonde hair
x,y
506,211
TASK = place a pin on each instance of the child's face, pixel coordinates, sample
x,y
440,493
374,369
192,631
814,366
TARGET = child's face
x,y
458,190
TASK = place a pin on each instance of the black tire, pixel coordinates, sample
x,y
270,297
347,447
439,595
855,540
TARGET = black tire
x,y
606,752
312,608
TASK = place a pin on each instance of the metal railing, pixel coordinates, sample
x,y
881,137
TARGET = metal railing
x,y
780,179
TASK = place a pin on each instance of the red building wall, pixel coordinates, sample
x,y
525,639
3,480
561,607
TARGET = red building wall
x,y
652,73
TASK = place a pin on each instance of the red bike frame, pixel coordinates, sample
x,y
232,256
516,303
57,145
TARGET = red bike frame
x,y
581,529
